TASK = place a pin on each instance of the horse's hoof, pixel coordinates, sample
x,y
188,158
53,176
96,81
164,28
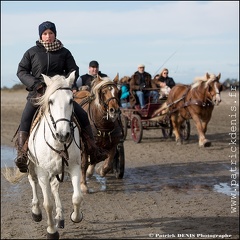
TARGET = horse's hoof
x,y
84,189
207,144
179,142
81,218
37,217
53,235
60,223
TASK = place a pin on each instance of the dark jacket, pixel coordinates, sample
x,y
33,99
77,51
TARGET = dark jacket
x,y
87,79
37,60
168,80
137,81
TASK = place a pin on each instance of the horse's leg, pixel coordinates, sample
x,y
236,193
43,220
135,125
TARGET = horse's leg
x,y
107,165
175,124
84,166
36,210
90,170
77,197
59,210
201,128
206,142
44,182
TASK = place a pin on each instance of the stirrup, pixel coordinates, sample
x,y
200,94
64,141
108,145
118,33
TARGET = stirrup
x,y
22,164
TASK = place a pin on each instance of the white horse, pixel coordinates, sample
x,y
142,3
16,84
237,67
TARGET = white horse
x,y
53,149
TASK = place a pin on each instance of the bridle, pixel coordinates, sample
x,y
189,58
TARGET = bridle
x,y
64,152
54,123
106,103
103,132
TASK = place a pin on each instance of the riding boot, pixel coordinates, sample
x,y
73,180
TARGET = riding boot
x,y
22,159
96,153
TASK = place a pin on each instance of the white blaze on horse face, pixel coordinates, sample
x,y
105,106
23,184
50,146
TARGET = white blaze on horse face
x,y
217,96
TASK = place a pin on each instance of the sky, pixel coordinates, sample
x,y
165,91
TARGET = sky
x,y
189,38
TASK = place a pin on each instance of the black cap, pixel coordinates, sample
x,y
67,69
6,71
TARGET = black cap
x,y
93,64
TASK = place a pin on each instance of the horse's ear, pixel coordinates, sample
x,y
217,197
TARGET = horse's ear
x,y
207,76
116,79
219,76
98,78
71,78
46,79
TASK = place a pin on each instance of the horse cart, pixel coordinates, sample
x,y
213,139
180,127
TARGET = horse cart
x,y
139,119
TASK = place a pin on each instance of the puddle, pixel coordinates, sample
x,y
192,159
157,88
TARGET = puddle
x,y
99,180
226,189
8,154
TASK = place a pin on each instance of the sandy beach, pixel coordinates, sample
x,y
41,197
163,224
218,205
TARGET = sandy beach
x,y
167,192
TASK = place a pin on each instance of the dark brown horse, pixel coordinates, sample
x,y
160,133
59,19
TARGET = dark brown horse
x,y
194,101
102,106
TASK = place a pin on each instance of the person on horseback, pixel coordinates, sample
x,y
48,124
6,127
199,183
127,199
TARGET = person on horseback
x,y
140,80
84,82
49,57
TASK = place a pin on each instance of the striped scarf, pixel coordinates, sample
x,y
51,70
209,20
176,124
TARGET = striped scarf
x,y
50,47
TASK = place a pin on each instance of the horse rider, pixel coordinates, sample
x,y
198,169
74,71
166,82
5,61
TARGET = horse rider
x,y
49,57
84,82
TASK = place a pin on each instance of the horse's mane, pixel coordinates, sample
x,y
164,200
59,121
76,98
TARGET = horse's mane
x,y
96,85
203,80
57,82
124,79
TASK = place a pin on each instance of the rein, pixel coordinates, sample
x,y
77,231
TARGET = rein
x,y
63,153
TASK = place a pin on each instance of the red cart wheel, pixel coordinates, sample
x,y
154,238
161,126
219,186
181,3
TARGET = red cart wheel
x,y
136,128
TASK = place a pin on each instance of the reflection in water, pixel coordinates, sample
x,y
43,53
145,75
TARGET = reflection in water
x,y
98,183
99,180
225,189
8,154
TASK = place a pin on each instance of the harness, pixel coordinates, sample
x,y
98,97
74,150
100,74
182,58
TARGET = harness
x,y
97,131
63,152
206,102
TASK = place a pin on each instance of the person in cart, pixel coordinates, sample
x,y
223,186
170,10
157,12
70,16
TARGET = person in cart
x,y
124,91
140,88
164,82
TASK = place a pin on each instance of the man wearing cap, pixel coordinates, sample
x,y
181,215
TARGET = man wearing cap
x,y
84,82
140,80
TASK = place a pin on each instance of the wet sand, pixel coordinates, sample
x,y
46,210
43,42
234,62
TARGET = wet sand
x,y
167,191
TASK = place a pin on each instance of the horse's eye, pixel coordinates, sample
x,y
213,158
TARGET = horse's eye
x,y
50,102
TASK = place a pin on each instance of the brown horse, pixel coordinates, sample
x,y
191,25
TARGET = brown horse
x,y
102,106
194,101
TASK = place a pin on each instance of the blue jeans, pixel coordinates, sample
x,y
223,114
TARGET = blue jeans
x,y
141,96
126,105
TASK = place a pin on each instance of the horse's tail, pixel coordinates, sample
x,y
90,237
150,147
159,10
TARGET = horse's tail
x,y
12,174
